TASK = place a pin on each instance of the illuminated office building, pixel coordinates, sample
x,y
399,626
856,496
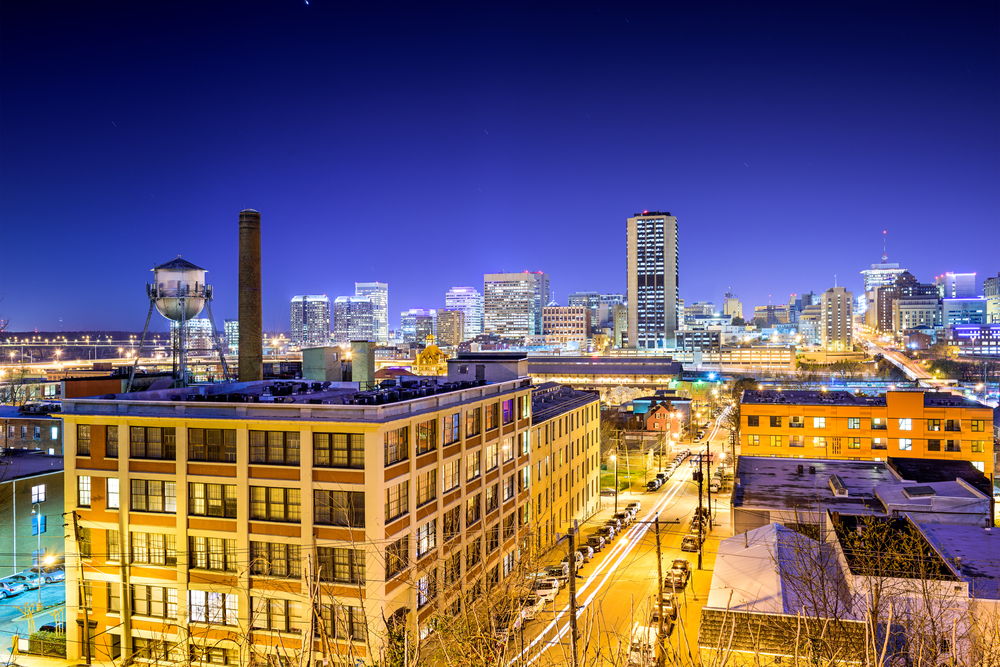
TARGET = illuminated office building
x,y
653,280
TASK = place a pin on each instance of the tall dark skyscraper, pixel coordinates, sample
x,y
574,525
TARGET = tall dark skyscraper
x,y
653,280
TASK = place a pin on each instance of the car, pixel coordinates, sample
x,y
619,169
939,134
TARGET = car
x,y
653,485
579,561
668,622
691,543
715,485
636,507
662,476
644,646
531,605
29,579
608,491
625,518
53,627
607,532
674,581
558,572
614,523
587,552
9,588
683,566
546,588
50,572
669,605
595,541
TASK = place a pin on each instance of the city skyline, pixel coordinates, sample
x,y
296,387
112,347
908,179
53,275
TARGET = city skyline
x,y
823,138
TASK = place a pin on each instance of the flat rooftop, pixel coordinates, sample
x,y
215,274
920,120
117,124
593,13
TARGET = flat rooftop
x,y
775,397
18,464
296,399
13,412
925,471
603,365
974,552
898,548
551,399
775,484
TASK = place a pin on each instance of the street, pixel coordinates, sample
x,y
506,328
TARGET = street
x,y
618,587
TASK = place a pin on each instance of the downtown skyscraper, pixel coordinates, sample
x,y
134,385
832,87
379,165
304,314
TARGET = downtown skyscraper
x,y
470,302
513,302
353,319
653,280
379,295
311,320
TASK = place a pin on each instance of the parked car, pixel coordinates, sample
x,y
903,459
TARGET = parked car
x,y
546,588
50,572
683,566
608,491
607,532
674,581
653,485
9,588
53,627
669,605
595,541
625,518
636,506
29,579
587,552
691,543
662,476
715,485
558,572
531,605
614,523
668,622
579,561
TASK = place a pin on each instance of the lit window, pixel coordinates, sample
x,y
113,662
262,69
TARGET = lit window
x,y
905,444
905,424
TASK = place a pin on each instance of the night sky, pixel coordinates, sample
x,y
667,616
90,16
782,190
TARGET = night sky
x,y
426,143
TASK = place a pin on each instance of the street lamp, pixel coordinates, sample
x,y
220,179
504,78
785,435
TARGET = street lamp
x,y
614,458
37,519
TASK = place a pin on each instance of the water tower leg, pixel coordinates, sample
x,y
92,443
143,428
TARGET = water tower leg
x,y
181,339
218,341
138,353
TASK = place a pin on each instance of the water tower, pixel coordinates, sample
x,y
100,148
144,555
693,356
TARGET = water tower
x,y
179,293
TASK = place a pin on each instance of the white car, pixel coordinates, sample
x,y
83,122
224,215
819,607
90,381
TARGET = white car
x,y
546,588
532,605
636,507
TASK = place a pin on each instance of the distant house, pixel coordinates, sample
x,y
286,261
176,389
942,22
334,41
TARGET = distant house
x,y
660,418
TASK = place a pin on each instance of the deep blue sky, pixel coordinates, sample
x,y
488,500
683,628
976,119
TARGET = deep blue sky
x,y
425,144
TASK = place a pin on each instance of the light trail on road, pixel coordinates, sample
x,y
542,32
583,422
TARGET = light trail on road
x,y
614,559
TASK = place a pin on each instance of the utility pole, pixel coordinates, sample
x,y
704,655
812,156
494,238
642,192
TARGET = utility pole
x,y
659,583
708,471
701,525
83,591
572,593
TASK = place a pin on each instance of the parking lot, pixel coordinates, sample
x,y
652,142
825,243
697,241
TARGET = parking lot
x,y
12,617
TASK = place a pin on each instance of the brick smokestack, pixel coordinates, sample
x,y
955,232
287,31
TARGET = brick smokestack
x,y
251,352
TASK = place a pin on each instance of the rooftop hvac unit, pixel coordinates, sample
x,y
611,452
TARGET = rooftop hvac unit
x,y
837,486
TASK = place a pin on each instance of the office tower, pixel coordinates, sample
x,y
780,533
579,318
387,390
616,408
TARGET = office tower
x,y
566,324
470,302
589,300
379,295
417,324
606,309
771,314
731,306
699,308
956,285
619,319
961,311
910,312
232,328
513,302
653,280
991,291
905,285
311,320
450,327
810,324
353,319
836,319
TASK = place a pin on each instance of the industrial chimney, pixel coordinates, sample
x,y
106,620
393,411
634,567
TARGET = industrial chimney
x,y
251,352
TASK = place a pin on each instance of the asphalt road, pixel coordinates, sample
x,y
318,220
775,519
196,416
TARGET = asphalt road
x,y
618,587
12,618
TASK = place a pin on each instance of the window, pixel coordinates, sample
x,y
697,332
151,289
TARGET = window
x,y
83,439
451,475
345,622
114,599
111,443
154,601
219,608
157,650
451,425
507,449
38,494
397,500
83,490
933,424
214,655
492,416
212,444
114,495
818,422
978,425
472,465
509,560
339,450
796,422
508,411
473,553
472,422
524,406
492,538
934,445
272,614
341,565
905,424
508,488
275,504
853,422
796,441
212,499
978,446
152,442
525,439
212,553
953,425
426,537
339,508
753,440
397,445
905,444
452,523
952,446
397,556
492,456
453,568
979,465
753,420
274,447
775,422
427,436
24,433
819,442
114,545
473,510
508,526
492,498
38,556
879,423
153,548
426,588
854,443
277,559
38,524
776,441
426,487
878,443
